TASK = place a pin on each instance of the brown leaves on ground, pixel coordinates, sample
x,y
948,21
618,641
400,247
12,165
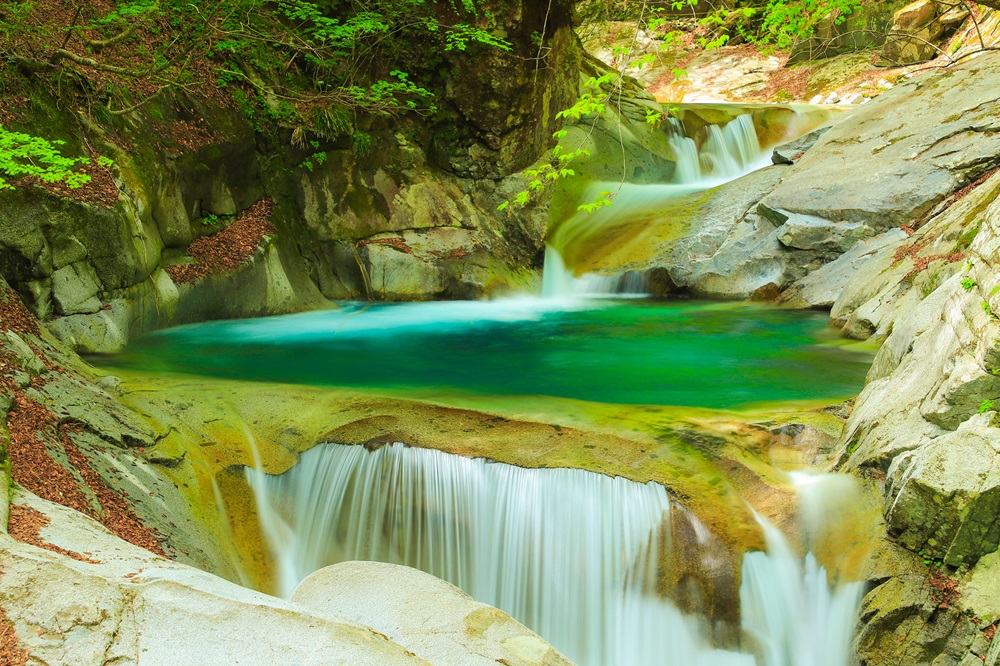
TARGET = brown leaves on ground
x,y
944,590
11,652
101,191
228,249
36,435
32,465
26,524
393,241
921,263
190,135
14,316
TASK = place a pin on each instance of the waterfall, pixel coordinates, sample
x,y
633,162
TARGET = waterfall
x,y
726,153
572,554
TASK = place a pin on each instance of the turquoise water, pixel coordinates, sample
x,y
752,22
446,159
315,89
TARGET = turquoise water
x,y
691,353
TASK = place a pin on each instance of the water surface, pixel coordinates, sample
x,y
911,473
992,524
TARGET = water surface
x,y
632,351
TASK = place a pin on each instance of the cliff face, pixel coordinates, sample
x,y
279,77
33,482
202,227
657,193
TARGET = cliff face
x,y
410,215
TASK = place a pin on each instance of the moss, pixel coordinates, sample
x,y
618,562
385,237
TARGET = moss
x,y
710,460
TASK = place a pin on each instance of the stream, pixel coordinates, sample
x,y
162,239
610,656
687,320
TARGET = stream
x,y
575,555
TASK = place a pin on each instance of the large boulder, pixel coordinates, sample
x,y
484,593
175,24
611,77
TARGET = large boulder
x,y
872,168
397,601
79,596
917,30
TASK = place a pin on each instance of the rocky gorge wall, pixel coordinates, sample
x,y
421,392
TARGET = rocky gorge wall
x,y
411,217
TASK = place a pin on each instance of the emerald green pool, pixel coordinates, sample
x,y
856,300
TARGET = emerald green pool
x,y
635,351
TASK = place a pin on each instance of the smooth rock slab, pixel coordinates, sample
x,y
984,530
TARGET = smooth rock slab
x,y
893,159
134,608
431,617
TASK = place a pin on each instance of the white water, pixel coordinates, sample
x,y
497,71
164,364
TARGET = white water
x,y
570,553
727,152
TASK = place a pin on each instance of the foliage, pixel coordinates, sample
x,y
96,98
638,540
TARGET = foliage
x,y
23,155
785,21
968,284
985,406
308,65
592,103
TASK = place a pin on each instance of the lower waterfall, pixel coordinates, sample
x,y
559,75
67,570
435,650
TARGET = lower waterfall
x,y
572,554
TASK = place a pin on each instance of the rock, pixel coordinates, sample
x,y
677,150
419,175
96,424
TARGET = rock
x,y
821,288
67,250
818,99
914,15
961,466
872,169
838,34
914,34
430,617
110,383
926,415
803,232
832,98
790,151
953,17
75,288
26,356
127,606
853,98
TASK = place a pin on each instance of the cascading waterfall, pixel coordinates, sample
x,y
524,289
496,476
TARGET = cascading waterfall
x,y
728,152
572,554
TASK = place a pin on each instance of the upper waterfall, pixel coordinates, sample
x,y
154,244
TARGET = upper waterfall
x,y
706,155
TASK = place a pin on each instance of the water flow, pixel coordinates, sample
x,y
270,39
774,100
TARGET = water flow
x,y
727,152
798,616
572,554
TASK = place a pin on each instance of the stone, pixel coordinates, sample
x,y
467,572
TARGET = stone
x,y
26,356
822,287
395,274
961,466
915,15
75,288
790,151
805,232
67,250
127,606
110,383
873,169
914,34
430,617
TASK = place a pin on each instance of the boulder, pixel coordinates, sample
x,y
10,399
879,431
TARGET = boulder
x,y
961,466
430,617
821,288
792,150
914,34
804,232
75,288
89,599
872,168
